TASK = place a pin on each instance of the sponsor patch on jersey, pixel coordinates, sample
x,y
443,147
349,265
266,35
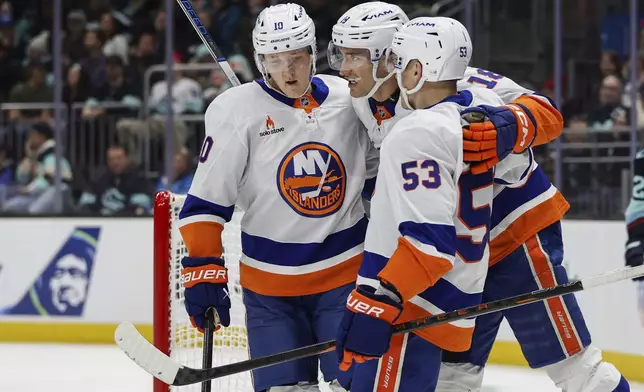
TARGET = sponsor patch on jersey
x,y
312,180
269,128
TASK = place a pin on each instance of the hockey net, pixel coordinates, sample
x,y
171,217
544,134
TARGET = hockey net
x,y
173,333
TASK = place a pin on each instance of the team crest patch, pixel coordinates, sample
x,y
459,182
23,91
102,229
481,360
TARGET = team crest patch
x,y
312,180
382,114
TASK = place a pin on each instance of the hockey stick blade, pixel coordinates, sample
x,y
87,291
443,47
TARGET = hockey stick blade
x,y
167,370
144,354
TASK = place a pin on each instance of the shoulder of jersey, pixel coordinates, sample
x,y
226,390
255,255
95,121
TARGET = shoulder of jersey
x,y
338,89
484,96
362,108
360,102
238,98
469,71
422,125
235,105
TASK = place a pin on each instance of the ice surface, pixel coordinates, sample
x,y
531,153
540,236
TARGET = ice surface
x,y
103,368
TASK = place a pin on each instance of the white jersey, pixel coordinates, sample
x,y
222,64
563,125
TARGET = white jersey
x,y
430,216
522,212
297,167
519,213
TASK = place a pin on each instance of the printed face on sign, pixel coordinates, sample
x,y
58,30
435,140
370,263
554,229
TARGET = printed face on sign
x,y
63,286
69,283
312,180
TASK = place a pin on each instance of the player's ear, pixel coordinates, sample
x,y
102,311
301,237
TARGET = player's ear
x,y
418,68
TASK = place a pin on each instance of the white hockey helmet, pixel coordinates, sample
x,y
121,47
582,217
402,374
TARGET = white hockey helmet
x,y
368,26
282,28
442,45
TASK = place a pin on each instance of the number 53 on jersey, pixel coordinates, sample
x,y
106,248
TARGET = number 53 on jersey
x,y
474,209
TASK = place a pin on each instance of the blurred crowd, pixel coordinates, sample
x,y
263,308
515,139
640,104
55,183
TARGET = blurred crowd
x,y
115,107
113,137
596,140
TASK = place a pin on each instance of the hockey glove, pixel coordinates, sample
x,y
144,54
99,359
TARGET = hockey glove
x,y
367,326
495,132
635,255
206,286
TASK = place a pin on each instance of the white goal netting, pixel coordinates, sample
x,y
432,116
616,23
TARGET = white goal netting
x,y
185,342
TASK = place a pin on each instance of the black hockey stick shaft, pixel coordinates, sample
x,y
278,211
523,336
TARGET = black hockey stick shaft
x,y
189,376
319,348
207,40
208,334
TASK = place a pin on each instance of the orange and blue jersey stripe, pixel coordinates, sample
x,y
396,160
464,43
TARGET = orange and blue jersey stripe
x,y
521,212
201,219
442,297
270,267
437,243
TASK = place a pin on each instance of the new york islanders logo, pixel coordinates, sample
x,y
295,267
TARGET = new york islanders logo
x,y
312,180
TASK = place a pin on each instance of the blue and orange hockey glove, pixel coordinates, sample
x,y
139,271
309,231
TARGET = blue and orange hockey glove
x,y
367,326
494,133
205,280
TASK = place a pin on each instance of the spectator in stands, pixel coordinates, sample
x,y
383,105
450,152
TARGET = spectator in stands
x,y
36,174
95,8
187,98
216,84
6,168
121,190
10,57
609,63
32,90
77,88
159,32
626,76
7,174
94,63
242,67
143,56
115,44
182,174
609,112
117,90
39,50
324,14
226,16
73,43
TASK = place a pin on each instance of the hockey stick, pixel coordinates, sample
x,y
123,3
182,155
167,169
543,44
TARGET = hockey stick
x,y
144,354
211,322
202,32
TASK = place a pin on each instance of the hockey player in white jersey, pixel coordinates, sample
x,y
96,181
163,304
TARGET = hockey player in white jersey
x,y
524,219
290,152
426,249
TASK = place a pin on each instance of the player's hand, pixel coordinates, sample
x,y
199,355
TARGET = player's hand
x,y
635,255
206,286
495,132
367,326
